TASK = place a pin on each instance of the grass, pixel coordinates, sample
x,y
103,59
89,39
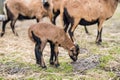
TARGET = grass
x,y
96,74
115,50
1,78
19,53
104,60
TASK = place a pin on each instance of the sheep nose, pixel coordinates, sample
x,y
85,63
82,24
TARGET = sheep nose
x,y
75,59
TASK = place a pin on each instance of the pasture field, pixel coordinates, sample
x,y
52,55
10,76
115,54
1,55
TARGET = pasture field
x,y
17,59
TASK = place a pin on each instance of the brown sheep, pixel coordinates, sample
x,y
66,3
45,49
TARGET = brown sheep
x,y
88,12
58,8
24,9
41,33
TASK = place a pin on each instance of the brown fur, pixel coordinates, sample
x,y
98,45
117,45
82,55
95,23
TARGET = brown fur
x,y
90,10
52,33
27,8
58,5
58,8
44,32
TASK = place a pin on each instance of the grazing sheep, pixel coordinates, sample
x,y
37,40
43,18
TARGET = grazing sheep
x,y
88,12
24,9
41,33
58,8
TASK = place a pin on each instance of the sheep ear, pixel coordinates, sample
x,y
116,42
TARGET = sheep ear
x,y
46,5
77,47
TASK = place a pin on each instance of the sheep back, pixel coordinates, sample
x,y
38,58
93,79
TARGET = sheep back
x,y
48,32
29,8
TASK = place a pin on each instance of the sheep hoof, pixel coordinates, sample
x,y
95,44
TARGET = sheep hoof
x,y
38,62
51,63
57,65
88,33
2,34
16,34
98,43
45,67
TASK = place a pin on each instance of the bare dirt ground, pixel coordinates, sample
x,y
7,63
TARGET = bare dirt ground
x,y
17,60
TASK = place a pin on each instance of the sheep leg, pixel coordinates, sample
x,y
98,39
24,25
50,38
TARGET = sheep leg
x,y
86,30
41,49
66,24
13,27
56,56
99,33
72,29
38,53
37,20
3,26
61,18
52,53
55,16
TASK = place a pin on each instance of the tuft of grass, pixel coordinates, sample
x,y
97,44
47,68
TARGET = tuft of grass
x,y
2,78
96,73
114,50
31,79
111,74
35,67
64,68
104,60
50,77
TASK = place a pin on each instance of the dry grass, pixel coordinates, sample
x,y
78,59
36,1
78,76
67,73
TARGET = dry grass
x,y
17,53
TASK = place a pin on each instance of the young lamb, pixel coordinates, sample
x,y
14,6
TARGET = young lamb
x,y
24,9
88,12
58,8
41,33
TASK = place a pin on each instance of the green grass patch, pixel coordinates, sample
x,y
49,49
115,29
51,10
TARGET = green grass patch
x,y
111,74
64,68
104,60
93,74
115,50
50,77
2,78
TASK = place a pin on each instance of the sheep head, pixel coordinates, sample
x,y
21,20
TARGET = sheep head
x,y
74,51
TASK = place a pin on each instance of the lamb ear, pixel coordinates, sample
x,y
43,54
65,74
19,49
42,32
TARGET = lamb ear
x,y
46,5
77,47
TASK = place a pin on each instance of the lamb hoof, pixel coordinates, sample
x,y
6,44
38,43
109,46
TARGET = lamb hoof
x,y
44,67
51,63
38,62
88,33
2,34
57,65
16,34
98,43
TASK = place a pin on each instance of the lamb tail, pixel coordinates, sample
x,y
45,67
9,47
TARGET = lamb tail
x,y
35,38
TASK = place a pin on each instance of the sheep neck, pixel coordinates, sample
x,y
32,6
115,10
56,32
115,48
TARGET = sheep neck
x,y
67,43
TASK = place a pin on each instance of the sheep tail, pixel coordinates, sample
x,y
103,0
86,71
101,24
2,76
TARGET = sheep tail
x,y
5,10
35,38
